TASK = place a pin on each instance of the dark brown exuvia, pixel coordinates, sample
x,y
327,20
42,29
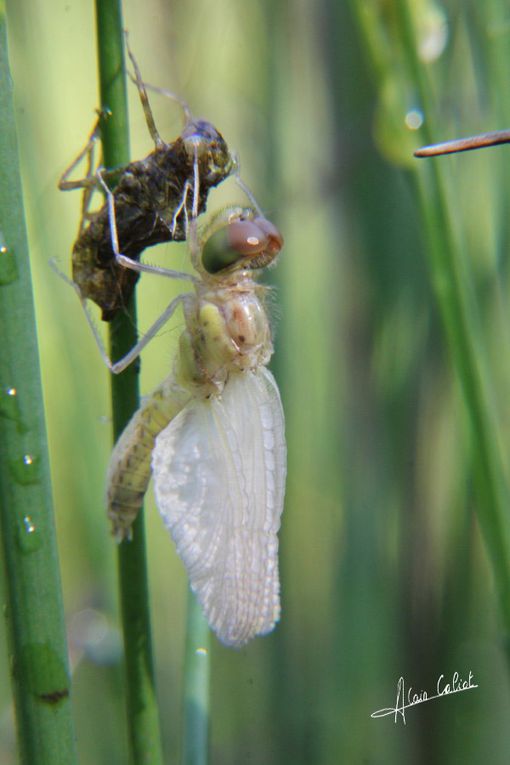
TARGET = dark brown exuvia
x,y
147,199
152,201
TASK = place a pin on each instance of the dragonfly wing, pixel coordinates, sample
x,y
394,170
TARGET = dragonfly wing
x,y
219,477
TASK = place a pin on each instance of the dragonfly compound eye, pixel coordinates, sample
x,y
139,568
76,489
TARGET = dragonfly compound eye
x,y
275,239
238,242
246,237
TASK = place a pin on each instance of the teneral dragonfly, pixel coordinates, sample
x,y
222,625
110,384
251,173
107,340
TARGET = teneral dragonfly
x,y
213,434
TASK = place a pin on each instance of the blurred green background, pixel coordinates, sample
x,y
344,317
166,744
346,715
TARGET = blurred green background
x,y
384,572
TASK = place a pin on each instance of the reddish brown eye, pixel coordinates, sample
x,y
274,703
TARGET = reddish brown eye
x,y
246,242
274,238
247,238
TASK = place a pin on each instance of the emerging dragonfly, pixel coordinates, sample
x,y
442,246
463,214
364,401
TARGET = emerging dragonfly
x,y
153,200
213,431
482,141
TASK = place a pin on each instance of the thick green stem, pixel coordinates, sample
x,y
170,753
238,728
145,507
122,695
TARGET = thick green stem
x,y
196,686
453,293
142,709
34,612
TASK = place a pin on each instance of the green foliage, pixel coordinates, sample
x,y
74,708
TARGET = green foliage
x,y
33,611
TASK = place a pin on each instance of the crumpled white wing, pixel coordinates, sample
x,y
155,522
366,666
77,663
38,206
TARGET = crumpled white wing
x,y
219,477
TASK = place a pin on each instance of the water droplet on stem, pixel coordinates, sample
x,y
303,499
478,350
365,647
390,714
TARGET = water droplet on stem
x,y
8,266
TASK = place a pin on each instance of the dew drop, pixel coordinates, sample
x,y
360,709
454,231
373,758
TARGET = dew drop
x,y
29,524
201,652
9,406
28,537
8,267
26,469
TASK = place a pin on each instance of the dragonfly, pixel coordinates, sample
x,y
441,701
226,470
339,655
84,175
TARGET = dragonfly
x,y
212,433
481,141
153,199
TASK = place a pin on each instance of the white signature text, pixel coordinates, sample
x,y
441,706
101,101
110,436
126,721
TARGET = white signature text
x,y
409,698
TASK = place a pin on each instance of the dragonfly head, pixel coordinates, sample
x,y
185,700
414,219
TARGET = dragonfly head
x,y
245,241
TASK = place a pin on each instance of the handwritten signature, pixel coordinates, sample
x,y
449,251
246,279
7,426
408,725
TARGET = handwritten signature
x,y
410,698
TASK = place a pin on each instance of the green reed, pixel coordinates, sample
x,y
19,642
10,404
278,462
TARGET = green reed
x,y
34,613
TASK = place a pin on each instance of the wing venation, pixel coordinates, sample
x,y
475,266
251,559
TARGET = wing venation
x,y
219,477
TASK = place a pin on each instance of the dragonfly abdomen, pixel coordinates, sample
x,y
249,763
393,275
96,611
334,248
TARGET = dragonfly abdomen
x,y
130,469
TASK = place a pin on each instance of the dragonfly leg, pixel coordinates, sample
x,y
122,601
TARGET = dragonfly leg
x,y
142,88
192,233
124,260
121,364
125,361
173,97
88,152
90,183
181,208
142,92
190,230
88,315
90,180
246,189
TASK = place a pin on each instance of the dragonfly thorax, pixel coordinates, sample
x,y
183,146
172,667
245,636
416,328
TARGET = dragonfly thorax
x,y
226,330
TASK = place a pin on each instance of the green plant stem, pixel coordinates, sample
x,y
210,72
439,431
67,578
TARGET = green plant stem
x,y
34,613
196,686
142,709
453,293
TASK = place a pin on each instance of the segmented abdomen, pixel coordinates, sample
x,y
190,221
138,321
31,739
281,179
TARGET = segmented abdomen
x,y
130,464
